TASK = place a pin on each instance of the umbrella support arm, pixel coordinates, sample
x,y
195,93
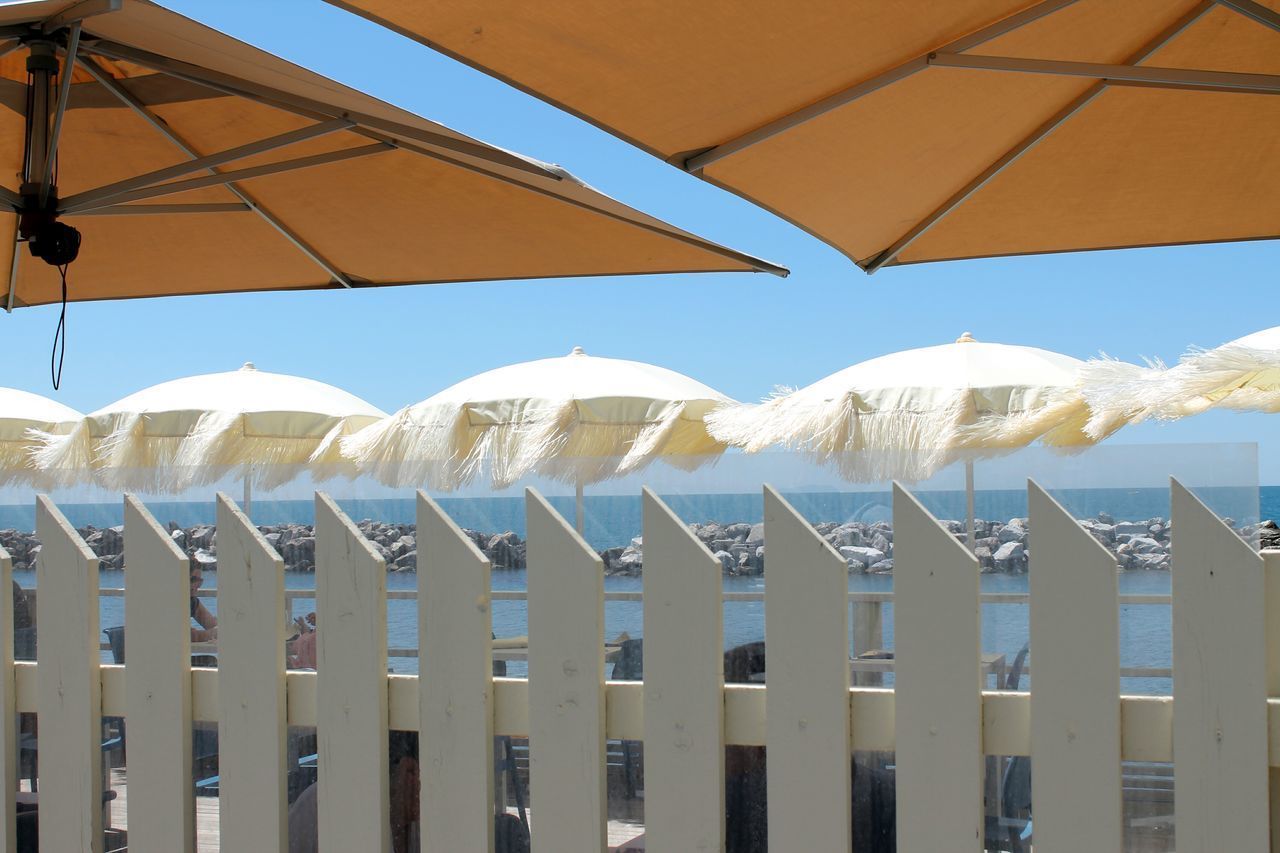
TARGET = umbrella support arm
x,y
305,106
140,109
890,254
859,90
122,190
1172,78
1250,9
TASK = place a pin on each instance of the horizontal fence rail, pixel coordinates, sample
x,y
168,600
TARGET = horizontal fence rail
x,y
1074,723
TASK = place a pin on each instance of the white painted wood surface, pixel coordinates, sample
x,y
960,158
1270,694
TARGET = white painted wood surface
x,y
566,684
938,674
69,687
1271,584
806,629
252,736
157,685
683,684
351,688
1219,684
1075,697
456,683
8,713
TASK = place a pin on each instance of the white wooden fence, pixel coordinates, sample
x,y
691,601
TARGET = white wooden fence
x,y
1074,723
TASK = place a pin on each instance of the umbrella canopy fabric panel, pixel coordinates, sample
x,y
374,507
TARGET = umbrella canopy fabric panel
x,y
194,163
21,412
1242,375
578,418
193,431
912,132
908,414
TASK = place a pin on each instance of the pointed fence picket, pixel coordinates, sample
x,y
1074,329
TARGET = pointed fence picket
x,y
683,683
456,687
351,687
69,703
938,683
566,684
1219,683
253,786
806,628
1075,725
158,690
8,713
1075,701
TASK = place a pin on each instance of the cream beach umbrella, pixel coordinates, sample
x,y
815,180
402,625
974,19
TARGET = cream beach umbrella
x,y
1242,375
903,132
579,418
194,431
21,412
908,414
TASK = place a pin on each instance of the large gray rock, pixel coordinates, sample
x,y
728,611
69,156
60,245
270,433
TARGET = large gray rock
x,y
1014,531
1133,528
1009,551
1145,545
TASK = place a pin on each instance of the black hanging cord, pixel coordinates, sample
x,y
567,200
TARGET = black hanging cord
x,y
59,336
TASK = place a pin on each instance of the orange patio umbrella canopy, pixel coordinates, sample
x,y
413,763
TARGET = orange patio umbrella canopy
x,y
189,162
908,132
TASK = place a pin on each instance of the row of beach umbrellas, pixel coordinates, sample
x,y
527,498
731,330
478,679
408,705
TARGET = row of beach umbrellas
x,y
582,419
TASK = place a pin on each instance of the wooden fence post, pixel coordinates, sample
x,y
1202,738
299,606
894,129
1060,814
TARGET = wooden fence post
x,y
566,684
8,711
69,702
1219,683
806,629
252,734
351,686
938,679
1271,582
684,686
1075,697
157,685
456,686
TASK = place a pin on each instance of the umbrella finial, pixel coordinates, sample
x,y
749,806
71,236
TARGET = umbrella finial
x,y
966,338
577,351
248,365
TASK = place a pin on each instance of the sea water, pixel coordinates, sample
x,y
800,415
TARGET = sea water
x,y
614,520
1144,629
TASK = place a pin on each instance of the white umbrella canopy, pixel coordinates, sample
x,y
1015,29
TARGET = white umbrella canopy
x,y
20,413
907,414
193,431
578,418
1242,375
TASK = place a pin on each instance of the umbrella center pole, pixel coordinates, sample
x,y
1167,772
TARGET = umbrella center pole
x,y
54,242
968,505
42,67
578,514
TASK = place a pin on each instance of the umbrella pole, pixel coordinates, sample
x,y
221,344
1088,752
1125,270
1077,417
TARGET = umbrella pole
x,y
968,503
578,506
248,489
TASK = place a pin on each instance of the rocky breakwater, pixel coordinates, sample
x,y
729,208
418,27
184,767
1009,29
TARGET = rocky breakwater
x,y
867,547
1000,546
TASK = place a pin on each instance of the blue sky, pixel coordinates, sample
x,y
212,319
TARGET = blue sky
x,y
741,333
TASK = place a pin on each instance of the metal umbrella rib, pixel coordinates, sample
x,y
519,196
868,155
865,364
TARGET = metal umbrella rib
x,y
140,109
